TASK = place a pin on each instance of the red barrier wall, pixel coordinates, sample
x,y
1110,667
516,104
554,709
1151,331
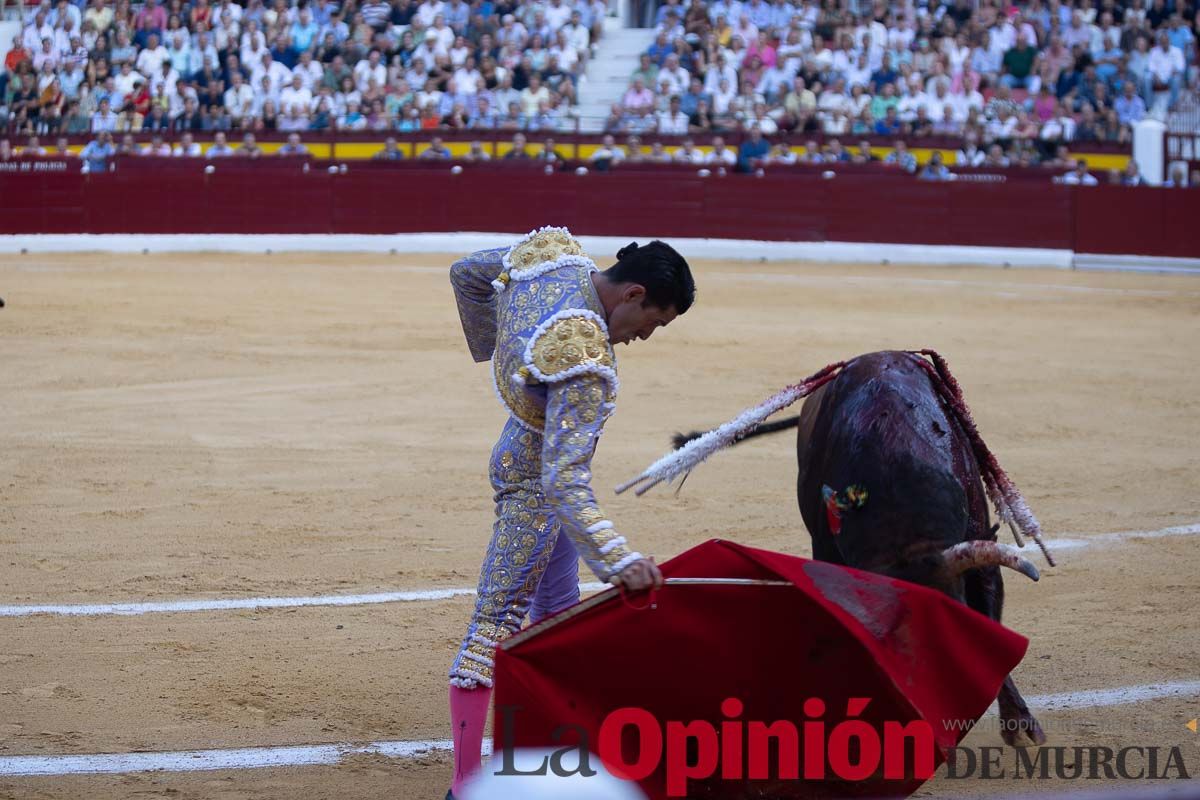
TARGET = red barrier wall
x,y
282,196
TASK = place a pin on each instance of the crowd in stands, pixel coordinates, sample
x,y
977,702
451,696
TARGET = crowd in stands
x,y
1012,82
91,66
1010,85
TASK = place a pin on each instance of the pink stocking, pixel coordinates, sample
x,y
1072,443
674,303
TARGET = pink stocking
x,y
468,715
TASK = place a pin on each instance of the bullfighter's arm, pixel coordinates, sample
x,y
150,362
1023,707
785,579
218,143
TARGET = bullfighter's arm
x,y
472,279
575,414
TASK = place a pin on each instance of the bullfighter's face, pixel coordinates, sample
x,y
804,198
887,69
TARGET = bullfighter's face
x,y
633,318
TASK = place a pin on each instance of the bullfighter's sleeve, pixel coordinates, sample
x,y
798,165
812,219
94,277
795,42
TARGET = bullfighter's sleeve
x,y
575,412
472,279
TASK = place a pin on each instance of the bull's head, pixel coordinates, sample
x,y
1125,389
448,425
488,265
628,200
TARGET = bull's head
x,y
909,520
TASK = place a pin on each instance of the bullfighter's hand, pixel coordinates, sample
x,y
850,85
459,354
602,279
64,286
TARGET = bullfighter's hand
x,y
640,575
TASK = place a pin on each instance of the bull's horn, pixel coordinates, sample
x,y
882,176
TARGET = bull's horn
x,y
968,555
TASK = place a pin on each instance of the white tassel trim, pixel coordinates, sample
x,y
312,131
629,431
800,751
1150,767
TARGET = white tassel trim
x,y
499,285
625,562
602,525
613,545
470,680
694,452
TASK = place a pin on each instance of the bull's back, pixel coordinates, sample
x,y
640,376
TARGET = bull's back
x,y
881,405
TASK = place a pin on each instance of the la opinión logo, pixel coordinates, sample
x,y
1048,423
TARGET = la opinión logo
x,y
852,749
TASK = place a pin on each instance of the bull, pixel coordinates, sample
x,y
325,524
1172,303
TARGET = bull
x,y
894,479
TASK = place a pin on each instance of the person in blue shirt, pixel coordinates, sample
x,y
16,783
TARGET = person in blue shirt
x,y
753,149
97,152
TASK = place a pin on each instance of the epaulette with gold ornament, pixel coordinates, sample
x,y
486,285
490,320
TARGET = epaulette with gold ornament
x,y
572,342
540,251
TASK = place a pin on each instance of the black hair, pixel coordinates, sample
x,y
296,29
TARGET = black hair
x,y
660,269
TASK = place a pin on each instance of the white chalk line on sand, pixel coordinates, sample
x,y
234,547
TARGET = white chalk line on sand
x,y
332,754
425,595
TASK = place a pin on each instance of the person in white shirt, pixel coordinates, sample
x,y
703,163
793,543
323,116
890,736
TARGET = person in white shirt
x,y
310,72
782,154
428,10
275,72
370,67
165,76
969,155
46,56
577,33
677,75
252,43
821,58
220,147
608,152
36,31
557,14
673,122
126,78
440,36
1164,72
722,70
1080,176
833,100
688,154
150,60
239,98
295,96
157,147
467,77
186,147
720,154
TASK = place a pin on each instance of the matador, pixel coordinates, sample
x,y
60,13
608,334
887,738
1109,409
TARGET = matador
x,y
548,319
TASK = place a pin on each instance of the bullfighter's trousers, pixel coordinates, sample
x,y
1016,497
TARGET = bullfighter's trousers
x,y
531,567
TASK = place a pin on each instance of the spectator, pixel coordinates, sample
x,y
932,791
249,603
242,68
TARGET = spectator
x,y
1080,176
935,170
1176,179
1131,176
390,151
673,122
293,147
548,153
97,153
249,147
781,154
517,151
1164,71
436,151
969,155
720,155
187,147
607,155
901,157
104,120
33,147
753,151
476,153
219,148
688,154
156,147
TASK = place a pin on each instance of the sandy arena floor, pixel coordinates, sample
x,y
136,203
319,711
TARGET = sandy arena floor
x,y
198,426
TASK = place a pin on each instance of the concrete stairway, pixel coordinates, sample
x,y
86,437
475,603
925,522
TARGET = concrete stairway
x,y
608,72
